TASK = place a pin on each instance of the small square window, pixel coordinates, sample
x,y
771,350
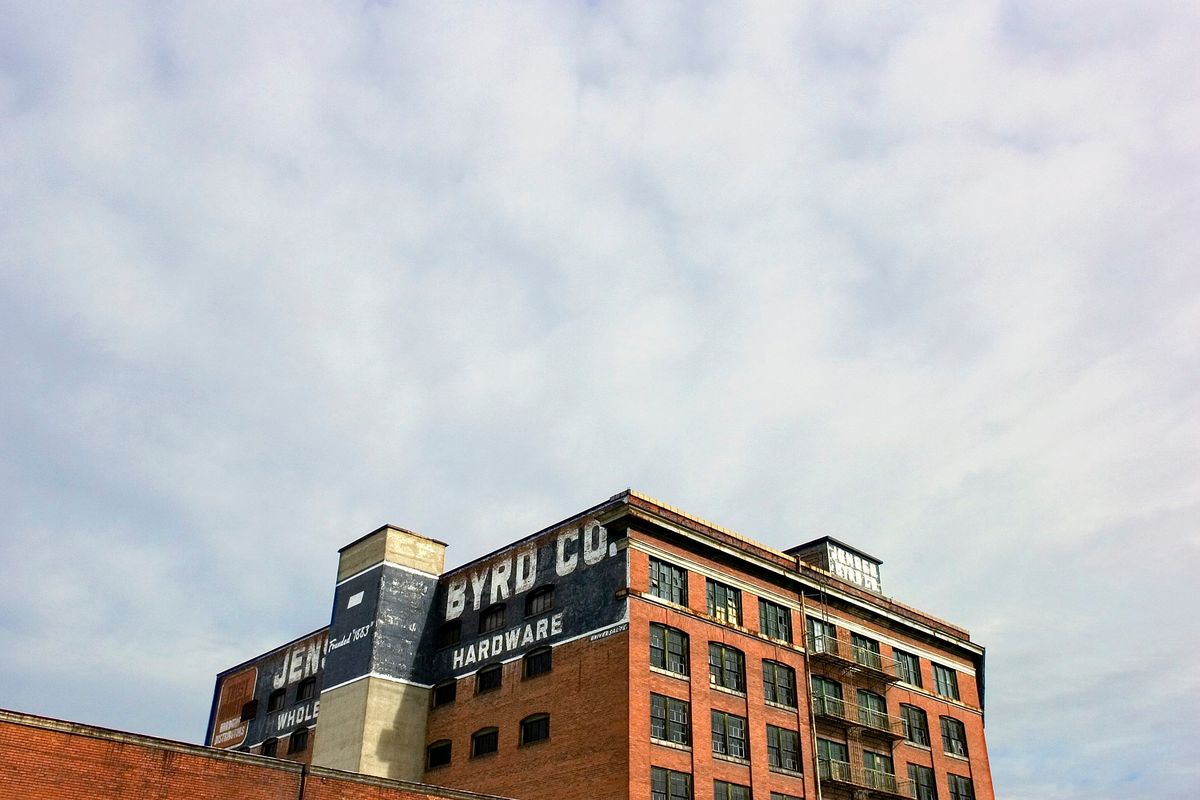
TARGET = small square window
x,y
276,700
538,662
306,689
270,747
539,601
492,618
438,754
488,679
535,728
484,741
445,693
298,741
450,633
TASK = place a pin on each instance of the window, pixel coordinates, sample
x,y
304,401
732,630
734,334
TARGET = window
x,y
668,581
445,692
783,749
250,711
484,741
778,796
833,760
827,697
668,649
730,791
270,747
670,720
306,690
945,681
961,788
726,667
866,651
921,780
275,701
539,601
298,741
537,662
779,683
492,618
822,636
954,737
878,762
872,710
535,728
488,679
908,667
775,620
916,725
449,633
666,784
437,754
724,602
729,734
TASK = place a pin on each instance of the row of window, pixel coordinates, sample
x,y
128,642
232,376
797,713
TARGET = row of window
x,y
297,743
492,618
670,721
485,741
724,603
490,678
666,784
305,690
669,651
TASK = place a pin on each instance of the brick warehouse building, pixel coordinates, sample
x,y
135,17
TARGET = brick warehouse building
x,y
630,651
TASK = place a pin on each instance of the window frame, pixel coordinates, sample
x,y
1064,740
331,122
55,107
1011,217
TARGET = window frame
x,y
676,720
440,690
915,774
724,727
951,726
668,783
485,674
908,665
774,619
527,726
724,790
723,673
777,750
945,678
724,602
448,634
772,685
298,741
277,700
536,602
916,713
270,747
668,582
480,738
961,787
437,747
492,618
306,689
532,662
666,634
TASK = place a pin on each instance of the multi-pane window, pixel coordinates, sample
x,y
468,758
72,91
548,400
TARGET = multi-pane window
x,y
866,651
726,667
729,734
438,754
484,741
779,683
276,700
298,741
668,581
916,724
954,737
783,748
730,791
668,649
492,618
445,692
827,697
488,679
908,667
667,784
306,689
922,783
535,728
670,720
878,762
961,788
539,601
833,760
822,636
270,747
775,620
724,602
779,796
945,681
537,662
872,710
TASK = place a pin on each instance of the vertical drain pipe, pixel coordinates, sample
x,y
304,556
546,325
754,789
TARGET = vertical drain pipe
x,y
812,719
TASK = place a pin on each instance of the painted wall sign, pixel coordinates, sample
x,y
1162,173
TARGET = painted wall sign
x,y
854,568
229,729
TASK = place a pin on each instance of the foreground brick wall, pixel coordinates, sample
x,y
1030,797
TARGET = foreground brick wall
x,y
46,759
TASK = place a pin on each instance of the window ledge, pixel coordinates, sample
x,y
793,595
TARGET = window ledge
x,y
718,688
676,675
773,704
957,756
785,771
733,759
536,742
917,745
672,745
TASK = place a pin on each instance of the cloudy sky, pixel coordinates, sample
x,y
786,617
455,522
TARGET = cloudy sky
x,y
924,279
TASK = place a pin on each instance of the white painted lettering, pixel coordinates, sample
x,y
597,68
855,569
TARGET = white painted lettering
x,y
500,572
456,599
478,579
563,565
528,637
556,624
512,639
297,670
485,647
470,659
542,628
526,570
595,543
497,645
458,658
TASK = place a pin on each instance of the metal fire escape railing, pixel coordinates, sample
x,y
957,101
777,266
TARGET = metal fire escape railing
x,y
850,658
851,776
855,715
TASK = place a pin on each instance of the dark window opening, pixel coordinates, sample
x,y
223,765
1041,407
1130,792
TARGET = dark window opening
x,y
306,689
484,741
492,618
535,728
488,679
449,633
250,711
538,662
298,741
445,693
270,747
437,754
539,601
275,701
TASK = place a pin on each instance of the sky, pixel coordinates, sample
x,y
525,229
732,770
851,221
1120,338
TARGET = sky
x,y
922,277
